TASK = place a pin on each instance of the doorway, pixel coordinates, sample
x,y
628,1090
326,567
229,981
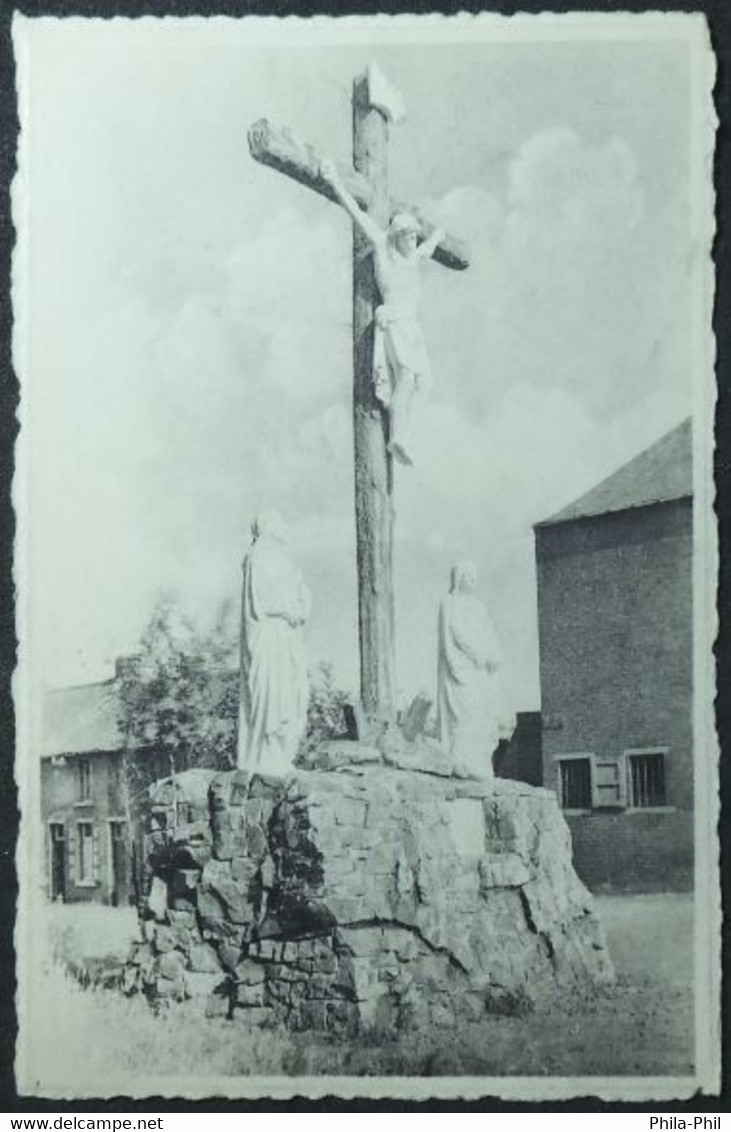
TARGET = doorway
x,y
58,861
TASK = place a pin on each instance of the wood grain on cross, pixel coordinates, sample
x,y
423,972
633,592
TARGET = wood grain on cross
x,y
375,105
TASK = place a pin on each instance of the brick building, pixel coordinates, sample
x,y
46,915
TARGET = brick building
x,y
93,783
614,578
83,806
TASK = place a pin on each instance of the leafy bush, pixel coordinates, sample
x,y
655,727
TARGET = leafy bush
x,y
326,710
179,697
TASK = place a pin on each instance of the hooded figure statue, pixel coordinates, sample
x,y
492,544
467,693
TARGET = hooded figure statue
x,y
468,660
274,691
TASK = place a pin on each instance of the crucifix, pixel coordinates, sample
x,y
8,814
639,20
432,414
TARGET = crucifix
x,y
376,104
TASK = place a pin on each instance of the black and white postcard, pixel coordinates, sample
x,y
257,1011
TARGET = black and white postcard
x,y
366,557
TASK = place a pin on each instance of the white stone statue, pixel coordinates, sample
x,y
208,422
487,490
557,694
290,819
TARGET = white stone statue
x,y
274,690
468,660
400,358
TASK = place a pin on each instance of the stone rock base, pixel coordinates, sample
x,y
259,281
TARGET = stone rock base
x,y
362,897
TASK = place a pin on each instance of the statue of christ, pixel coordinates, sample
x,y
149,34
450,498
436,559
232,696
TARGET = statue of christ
x,y
400,358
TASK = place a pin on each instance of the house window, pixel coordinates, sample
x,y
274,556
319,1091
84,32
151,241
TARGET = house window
x,y
85,862
84,772
117,830
575,783
646,779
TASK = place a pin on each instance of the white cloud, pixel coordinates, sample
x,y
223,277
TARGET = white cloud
x,y
573,282
564,181
290,286
204,383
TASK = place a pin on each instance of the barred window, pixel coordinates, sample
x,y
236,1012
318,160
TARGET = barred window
x,y
647,779
575,783
85,865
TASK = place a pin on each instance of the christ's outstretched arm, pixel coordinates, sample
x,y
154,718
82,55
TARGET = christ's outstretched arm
x,y
428,246
368,227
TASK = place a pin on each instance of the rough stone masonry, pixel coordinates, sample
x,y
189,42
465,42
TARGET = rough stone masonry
x,y
358,895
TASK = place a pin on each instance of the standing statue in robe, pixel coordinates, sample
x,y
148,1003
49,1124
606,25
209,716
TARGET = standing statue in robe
x,y
274,690
400,358
468,661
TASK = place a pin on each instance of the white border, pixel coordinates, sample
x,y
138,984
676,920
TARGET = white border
x,y
493,29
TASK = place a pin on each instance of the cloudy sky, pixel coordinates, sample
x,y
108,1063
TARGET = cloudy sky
x,y
187,314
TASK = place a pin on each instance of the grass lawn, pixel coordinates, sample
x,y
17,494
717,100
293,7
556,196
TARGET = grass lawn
x,y
643,1025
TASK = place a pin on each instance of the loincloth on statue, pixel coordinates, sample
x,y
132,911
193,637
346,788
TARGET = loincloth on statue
x,y
398,344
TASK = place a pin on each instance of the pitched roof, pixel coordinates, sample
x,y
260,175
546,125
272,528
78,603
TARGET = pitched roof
x,y
86,717
660,474
83,718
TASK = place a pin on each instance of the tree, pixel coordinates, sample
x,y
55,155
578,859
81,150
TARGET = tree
x,y
178,699
178,695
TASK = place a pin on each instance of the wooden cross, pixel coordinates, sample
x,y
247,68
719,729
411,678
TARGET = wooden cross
x,y
375,105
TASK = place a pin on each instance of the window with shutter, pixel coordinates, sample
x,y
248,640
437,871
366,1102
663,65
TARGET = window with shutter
x,y
73,871
85,853
95,857
608,783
